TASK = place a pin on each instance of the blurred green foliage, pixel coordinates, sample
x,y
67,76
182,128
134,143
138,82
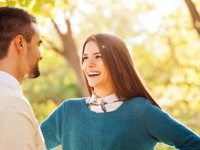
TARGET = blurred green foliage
x,y
42,110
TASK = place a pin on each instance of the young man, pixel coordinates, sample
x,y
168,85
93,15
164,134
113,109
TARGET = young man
x,y
19,57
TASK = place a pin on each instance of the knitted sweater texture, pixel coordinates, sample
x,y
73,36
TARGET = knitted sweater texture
x,y
135,125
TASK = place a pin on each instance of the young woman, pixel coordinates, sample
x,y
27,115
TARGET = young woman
x,y
119,113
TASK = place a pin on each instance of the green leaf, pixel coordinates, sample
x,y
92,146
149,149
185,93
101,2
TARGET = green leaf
x,y
24,3
11,2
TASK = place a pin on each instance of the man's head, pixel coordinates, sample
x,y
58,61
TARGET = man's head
x,y
20,40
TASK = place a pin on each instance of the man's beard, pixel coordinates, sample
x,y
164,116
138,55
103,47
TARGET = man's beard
x,y
35,72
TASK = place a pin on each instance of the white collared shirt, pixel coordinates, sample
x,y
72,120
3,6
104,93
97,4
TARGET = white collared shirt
x,y
19,128
112,103
11,82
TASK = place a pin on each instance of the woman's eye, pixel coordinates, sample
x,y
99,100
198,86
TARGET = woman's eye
x,y
98,56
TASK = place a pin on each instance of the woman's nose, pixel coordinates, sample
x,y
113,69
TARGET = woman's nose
x,y
90,62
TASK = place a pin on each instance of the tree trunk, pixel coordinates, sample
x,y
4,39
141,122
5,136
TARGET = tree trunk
x,y
71,56
70,53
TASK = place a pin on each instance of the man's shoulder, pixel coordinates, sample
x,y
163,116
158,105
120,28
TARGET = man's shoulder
x,y
13,101
6,91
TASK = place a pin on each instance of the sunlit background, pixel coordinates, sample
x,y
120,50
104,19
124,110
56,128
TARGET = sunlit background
x,y
161,37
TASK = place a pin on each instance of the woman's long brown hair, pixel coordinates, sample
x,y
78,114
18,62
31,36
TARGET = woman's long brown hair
x,y
126,80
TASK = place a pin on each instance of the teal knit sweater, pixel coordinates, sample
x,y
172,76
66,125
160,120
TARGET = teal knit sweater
x,y
135,125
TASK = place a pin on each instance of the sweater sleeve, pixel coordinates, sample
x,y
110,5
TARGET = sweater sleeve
x,y
166,129
51,128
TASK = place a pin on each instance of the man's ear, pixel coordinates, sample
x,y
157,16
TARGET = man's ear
x,y
19,42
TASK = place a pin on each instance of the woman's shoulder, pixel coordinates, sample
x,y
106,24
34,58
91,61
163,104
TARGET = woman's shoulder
x,y
73,101
70,104
141,103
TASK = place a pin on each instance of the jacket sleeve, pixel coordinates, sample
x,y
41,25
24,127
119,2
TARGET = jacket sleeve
x,y
51,128
166,129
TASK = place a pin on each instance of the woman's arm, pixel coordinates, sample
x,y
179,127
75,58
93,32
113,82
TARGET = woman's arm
x,y
166,129
52,127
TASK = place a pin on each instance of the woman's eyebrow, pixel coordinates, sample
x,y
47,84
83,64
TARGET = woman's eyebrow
x,y
96,53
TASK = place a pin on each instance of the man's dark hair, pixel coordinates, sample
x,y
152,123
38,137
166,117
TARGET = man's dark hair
x,y
14,21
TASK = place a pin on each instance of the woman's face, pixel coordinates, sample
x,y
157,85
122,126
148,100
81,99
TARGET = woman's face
x,y
95,70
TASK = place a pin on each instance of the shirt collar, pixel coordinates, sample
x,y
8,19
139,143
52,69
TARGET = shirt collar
x,y
10,81
108,99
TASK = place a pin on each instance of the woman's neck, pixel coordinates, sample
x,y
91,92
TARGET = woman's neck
x,y
103,93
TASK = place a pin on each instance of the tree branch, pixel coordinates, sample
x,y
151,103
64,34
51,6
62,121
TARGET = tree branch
x,y
194,14
52,46
69,30
56,27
